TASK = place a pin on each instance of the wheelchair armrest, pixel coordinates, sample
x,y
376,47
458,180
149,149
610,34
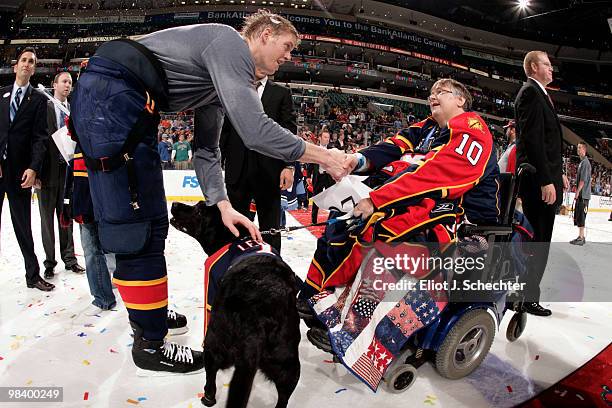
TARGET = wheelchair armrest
x,y
466,230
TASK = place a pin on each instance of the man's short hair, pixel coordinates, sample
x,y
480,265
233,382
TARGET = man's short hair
x,y
27,49
262,19
532,57
583,144
458,90
56,77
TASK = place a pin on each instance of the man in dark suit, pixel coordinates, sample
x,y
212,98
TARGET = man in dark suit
x,y
51,193
251,175
321,180
540,143
23,144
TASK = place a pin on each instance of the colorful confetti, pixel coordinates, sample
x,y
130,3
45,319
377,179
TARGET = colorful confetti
x,y
509,388
200,395
29,382
142,399
114,351
537,357
340,390
86,396
81,334
430,400
329,361
1,358
131,401
86,362
103,330
89,342
591,337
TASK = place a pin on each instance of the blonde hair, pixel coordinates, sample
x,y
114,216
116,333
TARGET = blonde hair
x,y
262,19
532,57
458,90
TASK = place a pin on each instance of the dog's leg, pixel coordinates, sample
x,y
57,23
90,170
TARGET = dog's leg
x,y
285,377
210,389
240,386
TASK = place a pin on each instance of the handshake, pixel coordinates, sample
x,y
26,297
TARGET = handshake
x,y
339,164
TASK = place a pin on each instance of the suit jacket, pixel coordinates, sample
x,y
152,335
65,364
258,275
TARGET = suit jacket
x,y
53,170
239,161
320,180
539,136
26,136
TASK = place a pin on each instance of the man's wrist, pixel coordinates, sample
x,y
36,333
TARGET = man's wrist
x,y
224,205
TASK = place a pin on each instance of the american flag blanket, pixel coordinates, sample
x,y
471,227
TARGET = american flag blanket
x,y
368,326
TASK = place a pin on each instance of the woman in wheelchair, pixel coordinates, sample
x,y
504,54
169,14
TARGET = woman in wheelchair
x,y
427,179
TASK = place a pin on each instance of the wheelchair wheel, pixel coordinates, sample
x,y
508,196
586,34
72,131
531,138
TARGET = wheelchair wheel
x,y
401,378
516,326
466,345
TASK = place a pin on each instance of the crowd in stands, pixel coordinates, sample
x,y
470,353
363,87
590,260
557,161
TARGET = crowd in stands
x,y
175,141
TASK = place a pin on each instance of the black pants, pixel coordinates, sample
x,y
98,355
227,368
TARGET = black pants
x,y
267,200
21,212
50,201
322,182
542,218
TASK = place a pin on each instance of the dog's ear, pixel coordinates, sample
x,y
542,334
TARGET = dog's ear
x,y
213,234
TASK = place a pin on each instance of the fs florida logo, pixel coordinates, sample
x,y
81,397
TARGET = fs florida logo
x,y
190,181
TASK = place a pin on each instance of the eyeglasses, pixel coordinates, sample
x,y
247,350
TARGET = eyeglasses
x,y
437,94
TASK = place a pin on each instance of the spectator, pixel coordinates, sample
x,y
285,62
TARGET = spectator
x,y
181,153
507,161
583,194
164,148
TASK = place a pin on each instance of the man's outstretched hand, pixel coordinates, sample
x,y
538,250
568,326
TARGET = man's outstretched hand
x,y
231,218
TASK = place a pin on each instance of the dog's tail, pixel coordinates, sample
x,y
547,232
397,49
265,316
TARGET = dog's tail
x,y
240,387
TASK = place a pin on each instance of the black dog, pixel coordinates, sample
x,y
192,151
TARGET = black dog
x,y
254,322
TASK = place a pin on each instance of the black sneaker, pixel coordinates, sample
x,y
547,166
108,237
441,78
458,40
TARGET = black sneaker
x,y
161,358
49,274
534,308
177,323
578,241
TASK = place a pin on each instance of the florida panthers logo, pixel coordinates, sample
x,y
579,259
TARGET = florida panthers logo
x,y
474,123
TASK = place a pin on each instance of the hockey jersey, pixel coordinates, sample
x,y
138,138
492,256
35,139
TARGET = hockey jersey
x,y
221,261
456,163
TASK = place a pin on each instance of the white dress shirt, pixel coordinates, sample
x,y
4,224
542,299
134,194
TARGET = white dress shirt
x,y
260,90
24,89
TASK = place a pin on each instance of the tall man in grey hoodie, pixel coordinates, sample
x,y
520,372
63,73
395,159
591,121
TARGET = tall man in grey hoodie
x,y
206,66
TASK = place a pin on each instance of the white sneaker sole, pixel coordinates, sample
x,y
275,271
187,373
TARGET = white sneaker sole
x,y
178,331
140,372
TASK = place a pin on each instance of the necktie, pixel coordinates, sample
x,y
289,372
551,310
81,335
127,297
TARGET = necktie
x,y
15,104
62,118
